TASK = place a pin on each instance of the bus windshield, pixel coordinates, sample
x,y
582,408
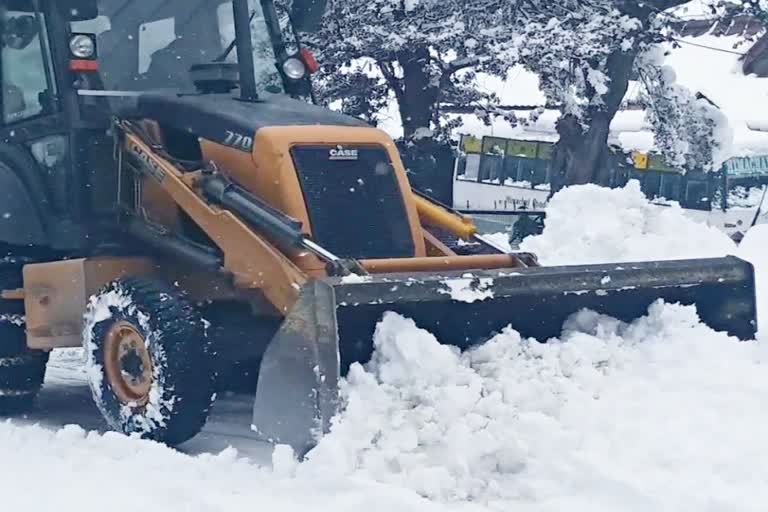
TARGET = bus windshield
x,y
151,44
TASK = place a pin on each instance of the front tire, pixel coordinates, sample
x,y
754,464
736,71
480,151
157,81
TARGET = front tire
x,y
149,362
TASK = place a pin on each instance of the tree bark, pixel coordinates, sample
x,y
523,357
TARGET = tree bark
x,y
581,155
420,95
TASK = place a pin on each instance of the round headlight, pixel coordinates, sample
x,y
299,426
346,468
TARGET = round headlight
x,y
82,47
294,68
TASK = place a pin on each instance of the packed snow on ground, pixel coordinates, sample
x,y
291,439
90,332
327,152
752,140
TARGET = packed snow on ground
x,y
661,414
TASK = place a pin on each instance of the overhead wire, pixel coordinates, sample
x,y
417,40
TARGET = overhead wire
x,y
713,48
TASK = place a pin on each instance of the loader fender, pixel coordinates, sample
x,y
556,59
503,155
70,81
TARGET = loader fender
x,y
20,223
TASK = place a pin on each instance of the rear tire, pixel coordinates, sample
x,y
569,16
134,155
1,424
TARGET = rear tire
x,y
149,361
22,371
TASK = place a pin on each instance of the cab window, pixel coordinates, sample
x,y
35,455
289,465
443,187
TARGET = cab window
x,y
153,43
27,89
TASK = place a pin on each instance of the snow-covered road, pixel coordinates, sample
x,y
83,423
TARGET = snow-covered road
x,y
663,414
66,399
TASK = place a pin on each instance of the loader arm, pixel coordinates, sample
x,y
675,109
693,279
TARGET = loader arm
x,y
253,261
432,213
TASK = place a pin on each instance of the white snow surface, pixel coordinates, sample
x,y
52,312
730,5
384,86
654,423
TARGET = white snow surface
x,y
592,224
468,289
648,416
661,414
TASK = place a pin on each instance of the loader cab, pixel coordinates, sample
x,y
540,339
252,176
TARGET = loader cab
x,y
68,66
35,157
153,44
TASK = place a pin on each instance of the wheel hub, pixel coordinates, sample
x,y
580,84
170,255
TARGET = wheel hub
x,y
127,364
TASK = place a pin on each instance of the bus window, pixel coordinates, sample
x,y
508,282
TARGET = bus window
x,y
671,186
697,196
652,184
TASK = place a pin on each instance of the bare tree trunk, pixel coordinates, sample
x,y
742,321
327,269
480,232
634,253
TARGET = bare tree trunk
x,y
419,100
581,156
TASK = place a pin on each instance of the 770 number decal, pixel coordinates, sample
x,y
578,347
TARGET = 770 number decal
x,y
238,141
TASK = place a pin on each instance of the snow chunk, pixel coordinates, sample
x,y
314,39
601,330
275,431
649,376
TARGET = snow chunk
x,y
590,224
13,319
423,133
754,248
355,279
469,288
284,461
598,80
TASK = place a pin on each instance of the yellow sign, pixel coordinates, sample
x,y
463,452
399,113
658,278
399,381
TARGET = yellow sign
x,y
471,145
640,160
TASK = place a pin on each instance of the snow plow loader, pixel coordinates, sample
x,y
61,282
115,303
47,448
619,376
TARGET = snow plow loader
x,y
195,232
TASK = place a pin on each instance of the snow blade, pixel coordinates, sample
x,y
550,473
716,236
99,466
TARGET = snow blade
x,y
297,392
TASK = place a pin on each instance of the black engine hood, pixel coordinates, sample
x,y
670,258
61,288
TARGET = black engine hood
x,y
223,118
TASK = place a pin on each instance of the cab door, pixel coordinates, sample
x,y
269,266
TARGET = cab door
x,y
34,140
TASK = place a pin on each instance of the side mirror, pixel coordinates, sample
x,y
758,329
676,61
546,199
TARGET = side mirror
x,y
78,10
307,15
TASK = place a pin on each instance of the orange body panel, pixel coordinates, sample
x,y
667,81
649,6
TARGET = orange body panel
x,y
441,263
254,263
269,173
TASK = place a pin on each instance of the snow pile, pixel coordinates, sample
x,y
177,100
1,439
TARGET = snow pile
x,y
590,224
754,248
662,414
740,197
499,239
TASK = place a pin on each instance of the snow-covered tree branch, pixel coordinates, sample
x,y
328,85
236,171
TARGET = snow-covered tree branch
x,y
427,55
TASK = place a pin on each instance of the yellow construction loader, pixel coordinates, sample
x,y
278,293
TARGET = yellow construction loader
x,y
173,205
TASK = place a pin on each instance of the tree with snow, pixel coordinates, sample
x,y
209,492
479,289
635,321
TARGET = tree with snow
x,y
586,58
427,55
424,53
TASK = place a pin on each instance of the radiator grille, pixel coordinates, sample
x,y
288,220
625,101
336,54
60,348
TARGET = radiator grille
x,y
355,205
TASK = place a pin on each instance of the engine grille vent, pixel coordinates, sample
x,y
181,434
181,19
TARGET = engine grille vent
x,y
355,205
